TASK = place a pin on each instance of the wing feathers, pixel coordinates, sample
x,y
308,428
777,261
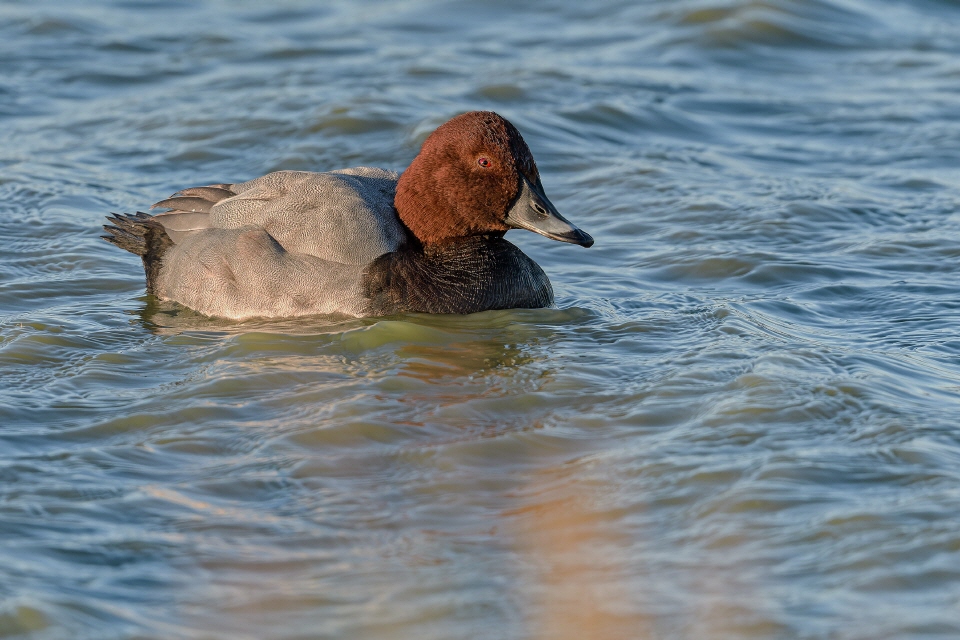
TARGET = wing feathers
x,y
185,203
183,220
213,193
197,198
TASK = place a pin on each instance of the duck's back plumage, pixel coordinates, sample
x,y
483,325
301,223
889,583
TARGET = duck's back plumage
x,y
288,243
344,216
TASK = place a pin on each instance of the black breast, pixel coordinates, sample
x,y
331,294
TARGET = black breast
x,y
465,276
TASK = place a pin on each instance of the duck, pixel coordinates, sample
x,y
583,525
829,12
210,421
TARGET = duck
x,y
360,242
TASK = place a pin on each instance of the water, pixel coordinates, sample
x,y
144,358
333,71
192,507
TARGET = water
x,y
739,422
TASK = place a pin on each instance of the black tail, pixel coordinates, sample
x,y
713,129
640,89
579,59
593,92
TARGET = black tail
x,y
139,233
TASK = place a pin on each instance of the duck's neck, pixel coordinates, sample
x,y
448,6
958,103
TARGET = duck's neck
x,y
466,275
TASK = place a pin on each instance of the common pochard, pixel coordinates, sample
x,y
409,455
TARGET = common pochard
x,y
363,241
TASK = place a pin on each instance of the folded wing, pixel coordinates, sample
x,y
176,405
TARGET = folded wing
x,y
342,216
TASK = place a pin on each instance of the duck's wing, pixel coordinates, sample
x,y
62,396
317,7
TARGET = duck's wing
x,y
341,216
190,209
344,216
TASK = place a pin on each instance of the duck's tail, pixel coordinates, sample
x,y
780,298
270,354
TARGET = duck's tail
x,y
139,233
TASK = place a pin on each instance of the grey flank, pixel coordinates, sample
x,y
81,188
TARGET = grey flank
x,y
288,243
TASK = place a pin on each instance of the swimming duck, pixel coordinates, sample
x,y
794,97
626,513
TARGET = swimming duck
x,y
362,241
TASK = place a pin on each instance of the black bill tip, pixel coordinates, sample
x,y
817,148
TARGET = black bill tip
x,y
575,236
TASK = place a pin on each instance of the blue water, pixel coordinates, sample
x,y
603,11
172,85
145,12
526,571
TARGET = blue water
x,y
739,422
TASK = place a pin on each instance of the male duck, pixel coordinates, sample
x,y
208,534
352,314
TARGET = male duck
x,y
363,241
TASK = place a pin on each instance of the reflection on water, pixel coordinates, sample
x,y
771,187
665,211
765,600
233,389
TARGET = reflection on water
x,y
739,421
578,562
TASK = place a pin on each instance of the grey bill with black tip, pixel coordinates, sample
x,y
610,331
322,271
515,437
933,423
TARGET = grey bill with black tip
x,y
534,212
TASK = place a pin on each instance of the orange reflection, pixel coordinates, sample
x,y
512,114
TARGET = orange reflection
x,y
578,563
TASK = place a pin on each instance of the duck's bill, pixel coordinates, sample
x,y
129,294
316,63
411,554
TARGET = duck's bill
x,y
534,212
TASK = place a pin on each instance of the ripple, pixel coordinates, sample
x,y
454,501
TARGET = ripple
x,y
805,23
748,387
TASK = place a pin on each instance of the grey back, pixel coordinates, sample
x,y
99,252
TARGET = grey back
x,y
344,216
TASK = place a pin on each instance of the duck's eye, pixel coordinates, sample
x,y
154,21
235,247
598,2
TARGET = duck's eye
x,y
483,162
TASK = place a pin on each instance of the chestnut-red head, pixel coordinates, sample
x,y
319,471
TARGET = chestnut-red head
x,y
475,175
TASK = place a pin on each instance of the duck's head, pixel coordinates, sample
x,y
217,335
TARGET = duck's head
x,y
475,175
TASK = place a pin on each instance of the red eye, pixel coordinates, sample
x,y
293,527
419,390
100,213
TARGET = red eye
x,y
483,162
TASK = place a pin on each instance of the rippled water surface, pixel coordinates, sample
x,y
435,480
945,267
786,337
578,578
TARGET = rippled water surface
x,y
739,422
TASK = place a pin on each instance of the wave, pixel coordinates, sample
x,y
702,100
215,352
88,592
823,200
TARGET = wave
x,y
783,23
